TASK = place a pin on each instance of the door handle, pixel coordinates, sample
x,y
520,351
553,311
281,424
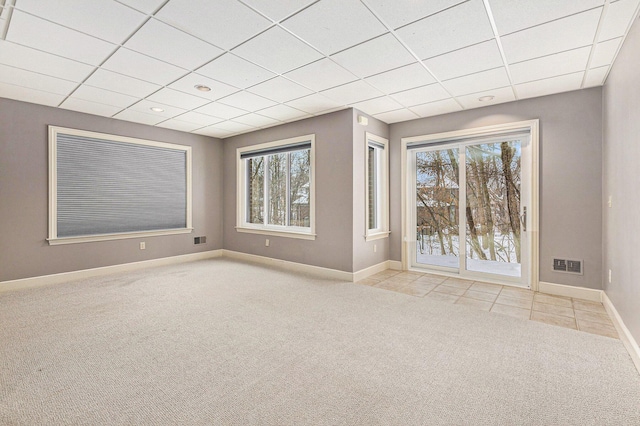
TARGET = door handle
x,y
523,218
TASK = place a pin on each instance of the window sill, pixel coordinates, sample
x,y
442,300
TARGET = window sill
x,y
377,236
109,237
277,233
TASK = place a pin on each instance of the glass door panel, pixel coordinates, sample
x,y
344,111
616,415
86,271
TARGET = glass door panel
x,y
437,203
493,180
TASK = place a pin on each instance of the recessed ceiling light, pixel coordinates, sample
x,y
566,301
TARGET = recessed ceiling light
x,y
156,109
486,98
202,87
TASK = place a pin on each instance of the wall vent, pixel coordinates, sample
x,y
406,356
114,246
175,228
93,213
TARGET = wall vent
x,y
199,240
567,266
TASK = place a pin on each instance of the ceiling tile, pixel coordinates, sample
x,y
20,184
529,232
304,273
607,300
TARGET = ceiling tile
x,y
168,44
484,80
88,107
232,126
144,6
101,96
500,96
557,36
32,80
143,67
402,78
313,104
421,95
49,37
352,92
550,66
116,23
256,120
595,76
247,101
121,83
472,59
198,118
511,15
224,23
278,10
138,117
617,20
282,112
218,90
444,106
549,86
177,99
377,105
605,52
220,110
235,71
145,106
321,75
396,116
213,131
41,62
176,124
277,50
24,94
455,28
280,90
401,12
334,25
374,56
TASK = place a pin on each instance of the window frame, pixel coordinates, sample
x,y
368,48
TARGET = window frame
x,y
382,187
53,238
241,192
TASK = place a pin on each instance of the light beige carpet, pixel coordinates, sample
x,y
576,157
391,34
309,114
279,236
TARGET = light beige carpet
x,y
219,342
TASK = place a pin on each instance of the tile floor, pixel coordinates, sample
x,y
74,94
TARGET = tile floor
x,y
577,314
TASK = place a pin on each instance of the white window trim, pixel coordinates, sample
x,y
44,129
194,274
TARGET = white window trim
x,y
53,188
241,195
382,231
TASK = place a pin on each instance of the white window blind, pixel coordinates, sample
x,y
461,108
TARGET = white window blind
x,y
117,186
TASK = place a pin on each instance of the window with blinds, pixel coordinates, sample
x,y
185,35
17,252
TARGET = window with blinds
x,y
276,188
109,187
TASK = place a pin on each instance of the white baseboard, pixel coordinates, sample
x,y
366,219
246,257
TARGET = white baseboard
x,y
623,332
396,265
43,280
371,270
292,266
570,291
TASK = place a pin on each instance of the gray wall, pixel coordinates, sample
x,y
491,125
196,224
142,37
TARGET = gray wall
x,y
332,247
363,254
621,158
24,195
570,174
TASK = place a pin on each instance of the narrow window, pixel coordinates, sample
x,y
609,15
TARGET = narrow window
x,y
276,188
377,191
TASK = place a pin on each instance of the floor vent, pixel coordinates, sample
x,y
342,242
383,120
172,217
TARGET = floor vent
x,y
568,266
199,240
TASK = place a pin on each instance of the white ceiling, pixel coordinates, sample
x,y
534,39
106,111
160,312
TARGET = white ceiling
x,y
274,61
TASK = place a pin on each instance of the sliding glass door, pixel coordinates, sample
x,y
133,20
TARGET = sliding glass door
x,y
469,208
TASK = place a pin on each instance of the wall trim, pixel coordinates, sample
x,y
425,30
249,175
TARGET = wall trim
x,y
396,265
371,270
623,332
571,291
44,280
292,266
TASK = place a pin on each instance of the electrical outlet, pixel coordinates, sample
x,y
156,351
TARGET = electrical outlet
x,y
375,248
610,202
143,245
266,242
609,276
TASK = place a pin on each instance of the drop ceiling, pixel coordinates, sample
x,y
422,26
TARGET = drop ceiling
x,y
272,61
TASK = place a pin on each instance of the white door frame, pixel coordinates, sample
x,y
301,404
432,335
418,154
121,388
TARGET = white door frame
x,y
532,126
